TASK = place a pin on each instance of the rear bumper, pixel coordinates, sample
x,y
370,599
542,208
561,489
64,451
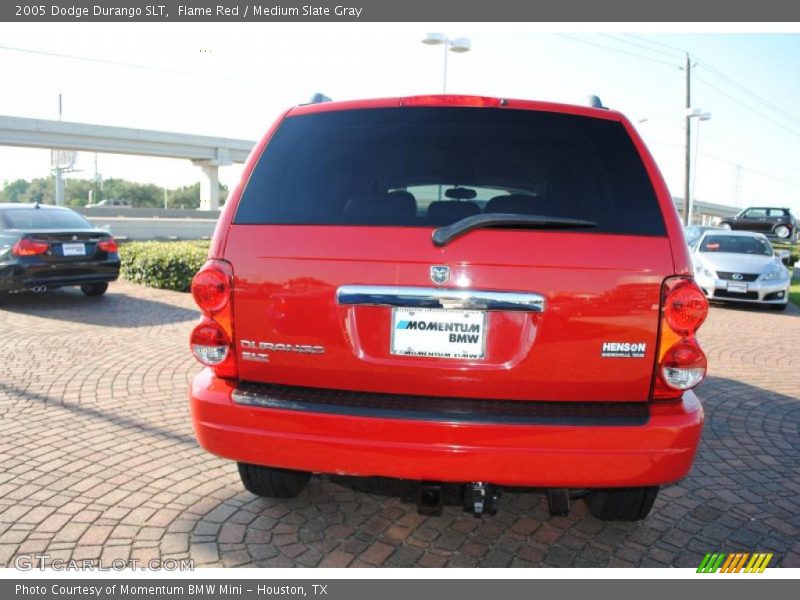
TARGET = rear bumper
x,y
23,275
657,452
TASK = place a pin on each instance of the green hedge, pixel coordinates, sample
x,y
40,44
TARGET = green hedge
x,y
166,265
794,249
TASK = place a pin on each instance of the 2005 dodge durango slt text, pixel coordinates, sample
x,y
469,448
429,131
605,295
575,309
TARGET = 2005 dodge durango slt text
x,y
452,290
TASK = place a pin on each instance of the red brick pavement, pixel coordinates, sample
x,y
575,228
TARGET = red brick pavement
x,y
98,460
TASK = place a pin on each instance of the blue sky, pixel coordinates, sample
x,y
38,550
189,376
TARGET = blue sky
x,y
157,77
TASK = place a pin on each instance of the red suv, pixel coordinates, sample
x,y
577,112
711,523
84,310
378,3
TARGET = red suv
x,y
452,290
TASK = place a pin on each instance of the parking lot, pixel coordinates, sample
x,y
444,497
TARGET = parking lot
x,y
98,460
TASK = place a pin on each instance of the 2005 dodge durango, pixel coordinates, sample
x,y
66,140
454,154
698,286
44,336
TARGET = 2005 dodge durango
x,y
452,290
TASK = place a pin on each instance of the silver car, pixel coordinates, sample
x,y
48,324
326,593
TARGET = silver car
x,y
741,266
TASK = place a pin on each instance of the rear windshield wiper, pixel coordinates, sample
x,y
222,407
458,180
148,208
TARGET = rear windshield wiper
x,y
445,235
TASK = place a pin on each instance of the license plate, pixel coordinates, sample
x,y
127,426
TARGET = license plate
x,y
73,249
736,287
439,333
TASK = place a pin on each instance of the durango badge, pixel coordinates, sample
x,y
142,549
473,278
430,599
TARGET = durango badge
x,y
440,274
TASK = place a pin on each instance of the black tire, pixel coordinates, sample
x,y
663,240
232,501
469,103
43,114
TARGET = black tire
x,y
778,306
94,289
621,504
271,482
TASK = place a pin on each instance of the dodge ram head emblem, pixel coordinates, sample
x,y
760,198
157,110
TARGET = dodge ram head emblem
x,y
440,274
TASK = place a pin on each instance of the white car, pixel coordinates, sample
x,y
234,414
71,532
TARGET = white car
x,y
741,266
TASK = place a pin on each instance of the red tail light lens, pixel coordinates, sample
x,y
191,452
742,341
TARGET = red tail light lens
x,y
450,100
211,287
681,362
212,339
26,247
108,245
209,343
683,366
686,307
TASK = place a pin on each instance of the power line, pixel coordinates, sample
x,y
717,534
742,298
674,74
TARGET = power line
x,y
748,107
617,39
730,162
655,60
756,171
681,51
104,61
722,76
719,74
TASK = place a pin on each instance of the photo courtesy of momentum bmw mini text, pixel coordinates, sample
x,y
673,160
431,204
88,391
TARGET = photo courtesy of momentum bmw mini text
x,y
409,298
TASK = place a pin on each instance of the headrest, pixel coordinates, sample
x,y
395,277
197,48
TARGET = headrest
x,y
513,203
445,212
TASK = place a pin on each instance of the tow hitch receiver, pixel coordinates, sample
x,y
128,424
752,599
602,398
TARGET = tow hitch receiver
x,y
481,498
429,500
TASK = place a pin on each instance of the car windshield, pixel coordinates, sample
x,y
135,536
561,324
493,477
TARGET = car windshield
x,y
43,218
735,244
431,167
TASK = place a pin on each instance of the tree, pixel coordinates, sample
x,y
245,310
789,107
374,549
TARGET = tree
x,y
76,192
14,191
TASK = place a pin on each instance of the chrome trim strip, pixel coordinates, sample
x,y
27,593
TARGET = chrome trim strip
x,y
421,297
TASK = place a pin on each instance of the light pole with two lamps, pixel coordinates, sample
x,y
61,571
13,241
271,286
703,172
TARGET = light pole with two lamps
x,y
457,45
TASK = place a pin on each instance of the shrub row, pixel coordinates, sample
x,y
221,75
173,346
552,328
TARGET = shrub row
x,y
166,265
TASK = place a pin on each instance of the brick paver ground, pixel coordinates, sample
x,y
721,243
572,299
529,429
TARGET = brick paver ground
x,y
98,460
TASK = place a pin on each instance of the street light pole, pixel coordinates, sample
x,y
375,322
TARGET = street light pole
x,y
456,45
700,116
444,76
688,158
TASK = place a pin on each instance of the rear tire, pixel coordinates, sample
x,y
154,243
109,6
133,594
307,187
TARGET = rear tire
x,y
621,504
94,289
782,232
271,482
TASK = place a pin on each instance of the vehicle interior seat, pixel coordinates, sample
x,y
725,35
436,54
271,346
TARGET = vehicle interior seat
x,y
523,204
450,211
392,205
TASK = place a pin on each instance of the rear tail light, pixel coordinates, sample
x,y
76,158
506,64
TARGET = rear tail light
x,y
211,289
683,366
26,247
681,362
212,340
210,345
108,245
685,307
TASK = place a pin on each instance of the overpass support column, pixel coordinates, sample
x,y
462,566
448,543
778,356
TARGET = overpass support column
x,y
209,184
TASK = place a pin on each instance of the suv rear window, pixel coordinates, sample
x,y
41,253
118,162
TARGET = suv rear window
x,y
421,166
43,218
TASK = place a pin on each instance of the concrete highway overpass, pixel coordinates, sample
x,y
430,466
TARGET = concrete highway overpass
x,y
208,153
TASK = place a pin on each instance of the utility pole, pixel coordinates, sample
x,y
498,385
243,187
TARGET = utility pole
x,y
687,164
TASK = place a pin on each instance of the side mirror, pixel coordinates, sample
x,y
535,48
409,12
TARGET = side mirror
x,y
784,256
